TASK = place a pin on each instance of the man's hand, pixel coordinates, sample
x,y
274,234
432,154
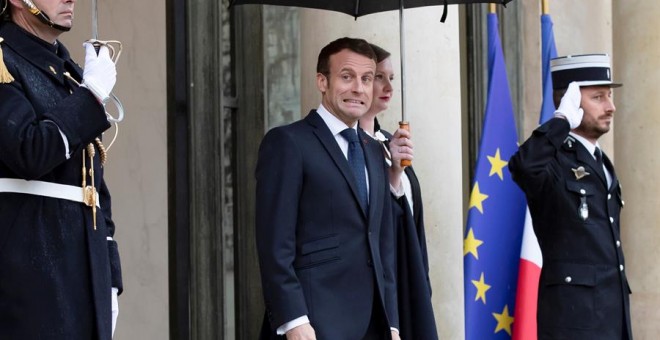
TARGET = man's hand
x,y
100,73
401,147
302,332
395,336
569,107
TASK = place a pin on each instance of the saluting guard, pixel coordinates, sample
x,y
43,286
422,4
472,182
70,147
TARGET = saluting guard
x,y
575,200
59,264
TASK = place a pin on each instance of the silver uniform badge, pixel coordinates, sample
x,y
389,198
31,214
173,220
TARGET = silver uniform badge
x,y
584,209
580,173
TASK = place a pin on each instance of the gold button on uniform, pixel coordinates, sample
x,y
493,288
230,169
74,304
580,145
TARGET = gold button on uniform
x,y
568,279
52,69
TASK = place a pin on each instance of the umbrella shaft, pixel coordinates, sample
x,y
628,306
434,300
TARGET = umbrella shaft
x,y
402,47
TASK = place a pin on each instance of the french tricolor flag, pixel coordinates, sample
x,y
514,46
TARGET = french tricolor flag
x,y
529,271
531,260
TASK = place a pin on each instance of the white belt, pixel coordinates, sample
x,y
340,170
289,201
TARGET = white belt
x,y
48,189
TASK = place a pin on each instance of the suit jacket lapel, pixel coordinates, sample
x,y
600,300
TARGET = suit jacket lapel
x,y
328,141
610,168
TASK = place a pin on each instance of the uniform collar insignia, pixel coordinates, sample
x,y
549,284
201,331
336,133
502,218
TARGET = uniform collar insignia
x,y
569,141
580,173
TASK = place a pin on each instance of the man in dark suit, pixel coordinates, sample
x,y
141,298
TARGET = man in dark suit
x,y
324,223
575,201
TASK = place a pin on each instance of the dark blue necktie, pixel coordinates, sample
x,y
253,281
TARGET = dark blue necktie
x,y
356,161
599,156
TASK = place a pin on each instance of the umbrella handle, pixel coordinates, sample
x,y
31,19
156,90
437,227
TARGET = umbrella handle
x,y
406,126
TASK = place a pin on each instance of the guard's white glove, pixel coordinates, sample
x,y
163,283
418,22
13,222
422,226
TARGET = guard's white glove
x,y
569,107
100,74
115,309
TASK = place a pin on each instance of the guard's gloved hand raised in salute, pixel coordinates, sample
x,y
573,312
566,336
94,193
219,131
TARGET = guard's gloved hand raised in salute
x,y
100,74
569,107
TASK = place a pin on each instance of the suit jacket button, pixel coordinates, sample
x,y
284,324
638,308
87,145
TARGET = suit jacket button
x,y
370,263
568,279
620,267
618,243
611,219
609,196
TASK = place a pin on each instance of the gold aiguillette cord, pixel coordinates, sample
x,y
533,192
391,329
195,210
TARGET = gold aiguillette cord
x,y
89,191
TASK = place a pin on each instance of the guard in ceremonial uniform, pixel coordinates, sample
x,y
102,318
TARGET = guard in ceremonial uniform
x,y
59,265
575,200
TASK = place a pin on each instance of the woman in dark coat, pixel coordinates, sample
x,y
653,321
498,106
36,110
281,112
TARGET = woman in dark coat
x,y
59,264
416,317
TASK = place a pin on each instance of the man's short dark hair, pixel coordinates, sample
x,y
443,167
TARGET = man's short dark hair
x,y
381,53
359,46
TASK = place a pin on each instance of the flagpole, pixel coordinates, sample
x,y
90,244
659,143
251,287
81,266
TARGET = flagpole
x,y
492,8
545,6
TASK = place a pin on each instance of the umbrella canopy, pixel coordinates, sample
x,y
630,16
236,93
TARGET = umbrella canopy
x,y
358,8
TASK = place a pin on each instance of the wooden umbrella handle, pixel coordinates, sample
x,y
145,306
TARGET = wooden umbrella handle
x,y
406,126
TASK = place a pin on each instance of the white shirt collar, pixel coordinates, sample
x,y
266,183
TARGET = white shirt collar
x,y
587,144
334,124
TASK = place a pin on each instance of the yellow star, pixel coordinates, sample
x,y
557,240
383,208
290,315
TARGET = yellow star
x,y
470,244
496,164
482,288
504,320
476,198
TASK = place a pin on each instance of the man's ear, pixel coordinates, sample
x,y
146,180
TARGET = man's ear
x,y
321,82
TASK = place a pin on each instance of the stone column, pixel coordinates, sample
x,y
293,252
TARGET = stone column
x,y
637,136
433,97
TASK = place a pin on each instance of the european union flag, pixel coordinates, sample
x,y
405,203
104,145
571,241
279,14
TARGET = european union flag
x,y
491,248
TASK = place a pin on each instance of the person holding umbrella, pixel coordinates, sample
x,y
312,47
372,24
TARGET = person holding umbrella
x,y
416,317
324,224
59,265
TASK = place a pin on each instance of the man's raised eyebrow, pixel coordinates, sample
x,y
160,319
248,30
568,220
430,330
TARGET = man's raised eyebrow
x,y
347,69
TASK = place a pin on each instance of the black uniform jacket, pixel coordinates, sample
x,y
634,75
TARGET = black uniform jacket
x,y
320,253
416,315
583,290
56,271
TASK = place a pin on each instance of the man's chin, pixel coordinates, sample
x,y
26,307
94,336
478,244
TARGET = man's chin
x,y
357,111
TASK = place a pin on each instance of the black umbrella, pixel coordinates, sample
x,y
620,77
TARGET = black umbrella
x,y
358,8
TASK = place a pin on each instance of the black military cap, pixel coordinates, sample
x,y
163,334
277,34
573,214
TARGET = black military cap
x,y
585,69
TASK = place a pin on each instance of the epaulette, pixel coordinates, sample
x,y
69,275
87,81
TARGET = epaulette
x,y
569,141
5,76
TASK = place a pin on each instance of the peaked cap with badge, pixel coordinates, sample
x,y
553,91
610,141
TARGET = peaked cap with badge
x,y
585,69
